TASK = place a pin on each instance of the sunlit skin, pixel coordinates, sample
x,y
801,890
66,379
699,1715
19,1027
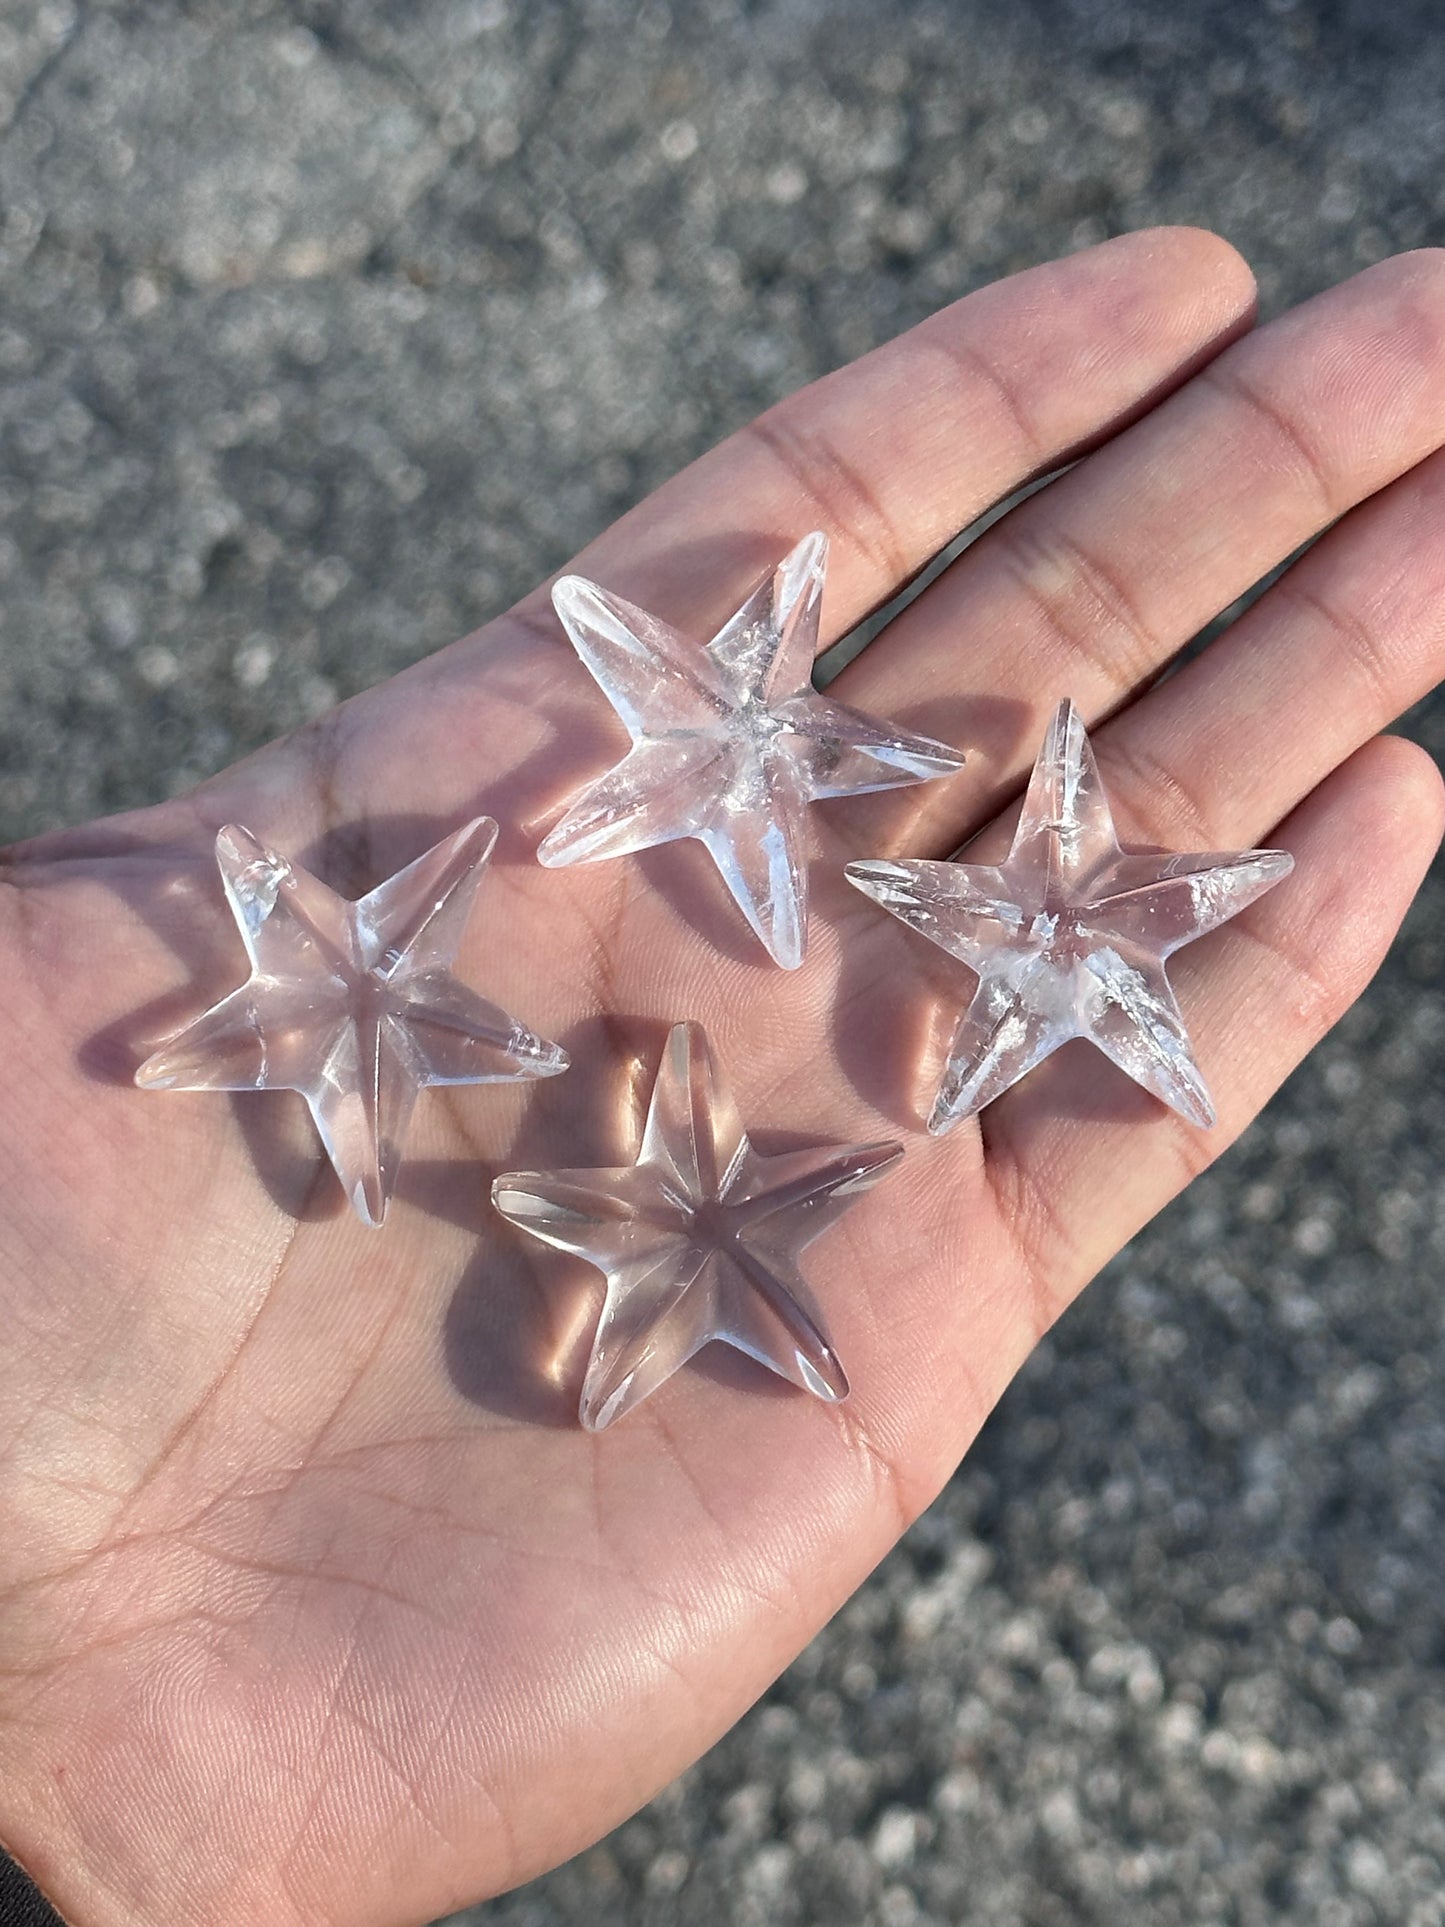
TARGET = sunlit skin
x,y
317,1607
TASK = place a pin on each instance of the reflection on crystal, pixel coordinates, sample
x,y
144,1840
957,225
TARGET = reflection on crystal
x,y
1069,936
698,1239
352,1004
729,743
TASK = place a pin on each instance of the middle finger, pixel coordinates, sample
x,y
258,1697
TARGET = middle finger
x,y
1090,587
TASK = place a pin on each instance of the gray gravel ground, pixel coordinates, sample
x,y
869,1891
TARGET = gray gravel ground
x,y
325,328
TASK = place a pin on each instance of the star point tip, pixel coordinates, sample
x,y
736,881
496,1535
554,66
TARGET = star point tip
x,y
812,547
867,871
553,853
952,759
688,1055
944,1116
1195,1106
514,1196
599,1406
883,880
369,1200
570,587
234,839
481,829
823,1376
786,955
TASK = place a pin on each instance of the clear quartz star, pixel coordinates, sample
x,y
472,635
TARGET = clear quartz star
x,y
352,1004
730,743
1069,936
698,1239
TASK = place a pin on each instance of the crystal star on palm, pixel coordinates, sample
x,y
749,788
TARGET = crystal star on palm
x,y
352,1004
698,1240
730,743
1069,936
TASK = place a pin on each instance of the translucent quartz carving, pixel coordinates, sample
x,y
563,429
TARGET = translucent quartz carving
x,y
698,1239
1069,935
352,1004
730,743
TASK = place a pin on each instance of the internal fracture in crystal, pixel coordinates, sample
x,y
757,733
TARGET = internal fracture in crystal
x,y
698,1239
353,1004
730,743
1068,936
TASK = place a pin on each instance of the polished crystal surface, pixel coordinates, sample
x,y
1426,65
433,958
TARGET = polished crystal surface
x,y
1069,936
352,1004
730,743
699,1239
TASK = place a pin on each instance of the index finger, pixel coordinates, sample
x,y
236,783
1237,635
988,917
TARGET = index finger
x,y
897,453
890,457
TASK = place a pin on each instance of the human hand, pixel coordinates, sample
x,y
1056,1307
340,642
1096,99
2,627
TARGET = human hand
x,y
316,1606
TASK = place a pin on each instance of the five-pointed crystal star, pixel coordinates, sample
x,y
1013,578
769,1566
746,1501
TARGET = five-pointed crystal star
x,y
352,1004
698,1239
730,743
1069,935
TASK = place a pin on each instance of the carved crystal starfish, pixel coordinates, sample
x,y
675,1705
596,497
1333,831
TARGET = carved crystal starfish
x,y
730,743
1069,935
352,1004
698,1240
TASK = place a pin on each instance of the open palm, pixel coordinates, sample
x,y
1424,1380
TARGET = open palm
x,y
316,1605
